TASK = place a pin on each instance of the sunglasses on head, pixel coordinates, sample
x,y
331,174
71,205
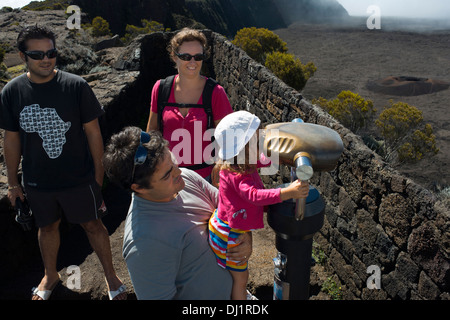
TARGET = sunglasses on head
x,y
188,57
141,153
39,55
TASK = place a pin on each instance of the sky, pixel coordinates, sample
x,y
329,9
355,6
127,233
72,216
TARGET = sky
x,y
14,3
400,8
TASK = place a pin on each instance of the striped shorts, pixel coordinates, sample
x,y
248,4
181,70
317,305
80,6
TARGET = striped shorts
x,y
221,238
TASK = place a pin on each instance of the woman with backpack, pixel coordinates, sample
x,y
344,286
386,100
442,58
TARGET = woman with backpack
x,y
186,105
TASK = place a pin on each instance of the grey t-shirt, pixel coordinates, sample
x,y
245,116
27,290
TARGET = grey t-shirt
x,y
166,246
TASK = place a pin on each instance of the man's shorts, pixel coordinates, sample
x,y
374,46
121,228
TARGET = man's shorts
x,y
78,204
222,238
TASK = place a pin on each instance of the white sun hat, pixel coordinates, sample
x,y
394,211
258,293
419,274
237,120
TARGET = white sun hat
x,y
234,131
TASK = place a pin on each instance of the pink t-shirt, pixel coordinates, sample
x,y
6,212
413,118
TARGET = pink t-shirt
x,y
186,134
242,198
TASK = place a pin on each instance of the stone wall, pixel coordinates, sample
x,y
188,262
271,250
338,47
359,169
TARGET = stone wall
x,y
374,215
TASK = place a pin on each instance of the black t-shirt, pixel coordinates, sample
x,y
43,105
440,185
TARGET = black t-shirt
x,y
50,118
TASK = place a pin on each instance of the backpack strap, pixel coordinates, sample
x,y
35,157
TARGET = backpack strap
x,y
165,87
207,100
207,103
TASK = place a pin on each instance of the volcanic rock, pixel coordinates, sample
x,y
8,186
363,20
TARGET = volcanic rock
x,y
407,86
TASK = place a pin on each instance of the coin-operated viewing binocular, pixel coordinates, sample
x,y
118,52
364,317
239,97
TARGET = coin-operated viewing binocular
x,y
306,148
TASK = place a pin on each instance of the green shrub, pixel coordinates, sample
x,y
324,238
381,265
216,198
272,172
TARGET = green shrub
x,y
100,27
353,111
267,48
47,5
333,289
397,120
6,9
290,69
318,254
2,54
259,42
15,71
3,70
406,137
147,27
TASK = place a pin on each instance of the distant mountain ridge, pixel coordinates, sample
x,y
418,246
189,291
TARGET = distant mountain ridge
x,y
223,16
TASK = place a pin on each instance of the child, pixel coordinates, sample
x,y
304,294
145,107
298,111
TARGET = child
x,y
242,196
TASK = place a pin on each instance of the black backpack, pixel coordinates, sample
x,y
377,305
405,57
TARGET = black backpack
x,y
165,88
164,93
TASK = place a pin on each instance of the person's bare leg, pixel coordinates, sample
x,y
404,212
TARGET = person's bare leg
x,y
49,240
99,240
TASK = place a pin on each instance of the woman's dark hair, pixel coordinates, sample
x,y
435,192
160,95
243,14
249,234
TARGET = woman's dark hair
x,y
34,32
118,159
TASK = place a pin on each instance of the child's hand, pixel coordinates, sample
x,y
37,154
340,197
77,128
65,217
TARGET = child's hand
x,y
296,190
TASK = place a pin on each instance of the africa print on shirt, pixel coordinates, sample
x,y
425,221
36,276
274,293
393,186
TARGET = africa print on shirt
x,y
50,127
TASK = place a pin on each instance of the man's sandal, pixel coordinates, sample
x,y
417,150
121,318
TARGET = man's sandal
x,y
113,294
44,294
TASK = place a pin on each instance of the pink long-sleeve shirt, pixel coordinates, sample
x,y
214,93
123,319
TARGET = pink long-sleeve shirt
x,y
242,198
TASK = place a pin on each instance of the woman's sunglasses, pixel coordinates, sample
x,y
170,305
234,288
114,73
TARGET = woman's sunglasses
x,y
188,57
141,152
39,55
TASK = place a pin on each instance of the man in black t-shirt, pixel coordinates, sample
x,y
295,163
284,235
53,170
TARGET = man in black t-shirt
x,y
50,119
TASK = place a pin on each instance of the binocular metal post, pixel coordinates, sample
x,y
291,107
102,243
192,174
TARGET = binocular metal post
x,y
294,244
306,148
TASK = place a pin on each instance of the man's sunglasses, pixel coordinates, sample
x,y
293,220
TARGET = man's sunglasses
x,y
141,152
188,57
39,55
